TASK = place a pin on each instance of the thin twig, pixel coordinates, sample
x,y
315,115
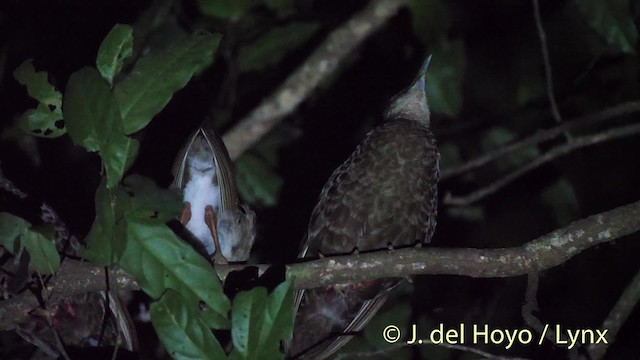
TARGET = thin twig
x,y
547,63
617,316
531,304
576,143
547,251
544,135
319,66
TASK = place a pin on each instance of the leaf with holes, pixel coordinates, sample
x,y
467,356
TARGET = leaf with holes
x,y
46,119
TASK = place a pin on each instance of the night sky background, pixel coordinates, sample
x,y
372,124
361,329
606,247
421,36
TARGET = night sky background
x,y
489,75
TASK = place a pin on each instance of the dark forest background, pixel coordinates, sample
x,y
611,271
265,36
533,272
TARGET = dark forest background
x,y
487,88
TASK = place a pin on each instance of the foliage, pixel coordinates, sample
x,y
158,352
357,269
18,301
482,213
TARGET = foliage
x,y
102,108
486,88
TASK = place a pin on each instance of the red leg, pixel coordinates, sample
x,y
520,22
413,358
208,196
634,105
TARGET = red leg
x,y
211,220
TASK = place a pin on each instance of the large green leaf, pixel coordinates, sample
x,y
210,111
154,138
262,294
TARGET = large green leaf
x,y
260,322
278,322
118,154
89,109
107,238
271,47
93,121
247,316
226,9
115,48
182,331
16,233
37,84
46,119
612,20
158,75
159,260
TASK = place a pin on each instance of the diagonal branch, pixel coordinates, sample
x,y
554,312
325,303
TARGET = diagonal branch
x,y
300,84
547,62
544,135
575,143
540,254
617,316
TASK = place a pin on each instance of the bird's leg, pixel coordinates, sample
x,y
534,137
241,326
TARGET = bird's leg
x,y
185,216
211,220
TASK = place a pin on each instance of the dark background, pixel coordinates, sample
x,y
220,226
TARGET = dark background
x,y
500,56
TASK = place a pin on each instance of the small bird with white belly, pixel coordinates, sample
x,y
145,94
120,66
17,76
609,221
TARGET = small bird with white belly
x,y
212,212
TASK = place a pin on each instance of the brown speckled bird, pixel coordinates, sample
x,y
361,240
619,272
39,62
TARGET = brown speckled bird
x,y
384,195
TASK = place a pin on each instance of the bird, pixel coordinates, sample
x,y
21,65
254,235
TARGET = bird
x,y
223,228
383,196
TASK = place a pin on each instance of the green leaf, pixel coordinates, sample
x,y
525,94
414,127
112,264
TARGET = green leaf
x,y
44,256
107,238
148,201
115,48
278,322
257,181
260,322
118,154
159,260
16,233
93,121
612,20
158,75
89,109
43,122
37,84
247,316
46,119
444,77
270,48
11,227
226,9
182,331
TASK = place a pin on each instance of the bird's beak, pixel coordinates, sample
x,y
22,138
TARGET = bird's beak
x,y
420,80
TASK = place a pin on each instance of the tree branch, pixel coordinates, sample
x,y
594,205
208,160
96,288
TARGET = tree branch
x,y
617,316
575,143
547,62
319,66
540,254
544,135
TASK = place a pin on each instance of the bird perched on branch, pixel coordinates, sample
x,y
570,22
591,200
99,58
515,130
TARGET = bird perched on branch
x,y
383,196
224,228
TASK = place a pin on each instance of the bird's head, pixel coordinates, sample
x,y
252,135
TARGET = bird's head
x,y
411,103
